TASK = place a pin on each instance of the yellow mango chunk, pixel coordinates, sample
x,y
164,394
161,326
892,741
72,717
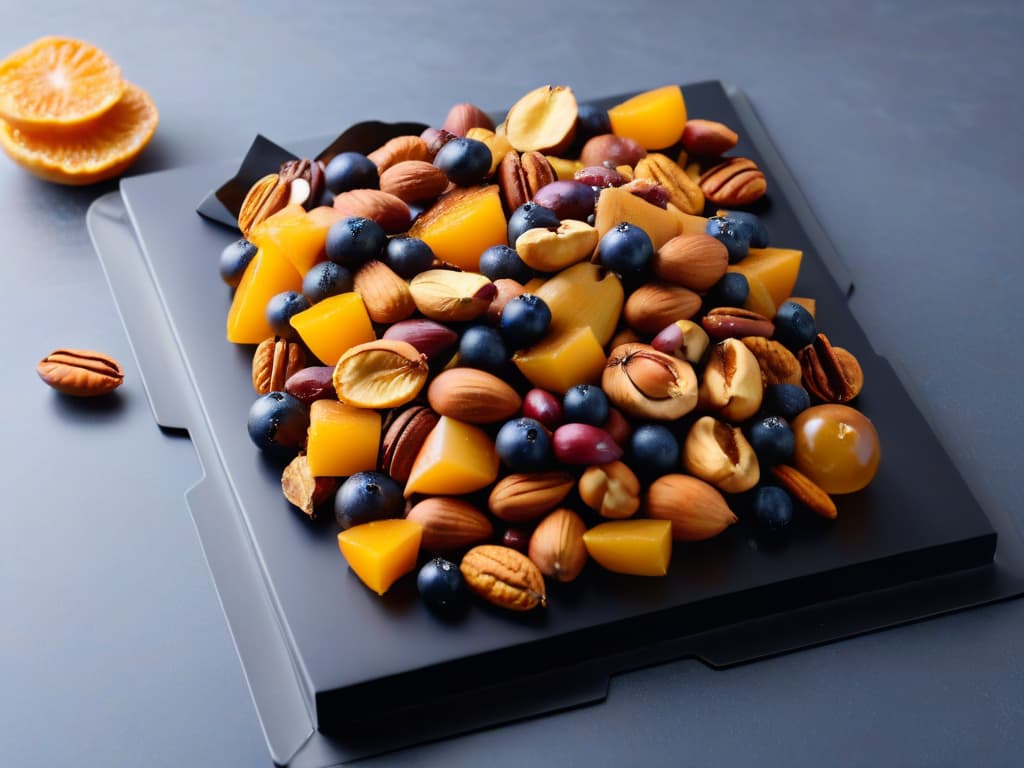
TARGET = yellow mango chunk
x,y
463,224
456,458
634,547
382,551
617,204
562,360
654,119
583,294
564,169
268,273
295,234
777,268
759,300
333,326
342,439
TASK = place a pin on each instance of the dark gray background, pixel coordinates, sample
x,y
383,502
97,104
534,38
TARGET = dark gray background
x,y
900,122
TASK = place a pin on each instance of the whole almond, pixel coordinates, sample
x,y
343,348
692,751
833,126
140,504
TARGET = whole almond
x,y
653,306
805,490
556,546
474,396
414,181
392,213
708,138
696,509
696,262
462,117
397,150
385,294
450,523
525,496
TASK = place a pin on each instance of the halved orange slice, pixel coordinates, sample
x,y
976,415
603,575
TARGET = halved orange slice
x,y
56,83
99,151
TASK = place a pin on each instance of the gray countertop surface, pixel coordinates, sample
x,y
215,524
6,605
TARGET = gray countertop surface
x,y
899,121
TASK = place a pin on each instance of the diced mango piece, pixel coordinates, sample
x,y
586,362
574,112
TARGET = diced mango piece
x,y
456,458
295,234
533,285
268,273
617,204
810,304
583,294
564,169
382,551
332,326
655,119
759,300
499,145
777,268
563,360
342,439
635,547
463,224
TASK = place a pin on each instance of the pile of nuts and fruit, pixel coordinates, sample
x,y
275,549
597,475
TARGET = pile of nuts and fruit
x,y
522,347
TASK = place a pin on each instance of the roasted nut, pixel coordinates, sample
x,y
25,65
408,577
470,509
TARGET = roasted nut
x,y
450,523
614,152
504,577
648,190
462,117
696,262
830,373
708,138
274,362
543,120
653,306
385,294
732,382
735,182
520,176
430,337
556,546
414,181
551,251
778,364
390,212
304,490
448,296
521,497
397,150
508,289
683,192
264,198
611,490
805,491
719,454
304,180
648,384
435,138
380,374
473,396
80,372
736,322
697,511
685,339
404,435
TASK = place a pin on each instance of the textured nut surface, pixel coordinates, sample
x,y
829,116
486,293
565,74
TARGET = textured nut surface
x,y
734,182
301,488
380,374
708,138
612,490
450,523
448,296
778,364
404,434
719,454
80,372
695,508
397,150
462,117
543,120
732,383
830,373
385,294
474,396
648,384
805,490
550,251
653,306
696,262
556,546
392,213
736,322
504,577
524,496
274,362
683,192
520,176
414,180
264,198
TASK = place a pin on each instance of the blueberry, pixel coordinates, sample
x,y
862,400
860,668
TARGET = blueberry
x,y
351,170
483,347
367,496
442,587
464,161
530,216
794,325
786,400
280,309
524,321
772,440
585,404
591,121
408,256
277,423
732,290
500,261
772,508
750,226
326,279
735,239
654,450
524,445
234,259
354,240
627,250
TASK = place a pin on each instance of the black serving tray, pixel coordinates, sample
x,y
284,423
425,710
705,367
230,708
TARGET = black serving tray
x,y
330,664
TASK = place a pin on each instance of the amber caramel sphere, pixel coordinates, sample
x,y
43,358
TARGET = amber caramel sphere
x,y
837,447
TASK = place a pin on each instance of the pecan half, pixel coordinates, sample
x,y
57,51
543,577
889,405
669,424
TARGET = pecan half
x,y
737,181
264,198
736,322
274,361
520,176
778,364
504,577
830,373
80,372
683,193
404,435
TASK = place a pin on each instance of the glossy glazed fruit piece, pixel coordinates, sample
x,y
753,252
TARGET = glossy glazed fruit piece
x,y
777,268
837,447
456,458
463,224
333,326
572,357
655,119
267,275
342,440
634,547
296,234
381,552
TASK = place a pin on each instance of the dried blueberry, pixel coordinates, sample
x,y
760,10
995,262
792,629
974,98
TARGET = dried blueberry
x,y
585,404
735,239
654,450
278,423
524,321
326,279
234,259
524,445
794,325
772,440
464,161
280,309
786,400
483,347
750,226
442,587
350,170
627,250
408,256
530,216
354,240
732,290
367,496
500,261
772,508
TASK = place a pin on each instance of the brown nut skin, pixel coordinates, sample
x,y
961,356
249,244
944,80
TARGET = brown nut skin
x,y
473,396
653,306
708,138
430,337
414,181
80,372
612,151
647,384
274,362
392,213
735,182
462,117
504,577
718,453
385,295
397,150
695,508
612,490
778,364
831,374
520,177
556,546
404,434
312,383
695,261
450,523
508,289
683,192
805,491
303,490
736,322
525,496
